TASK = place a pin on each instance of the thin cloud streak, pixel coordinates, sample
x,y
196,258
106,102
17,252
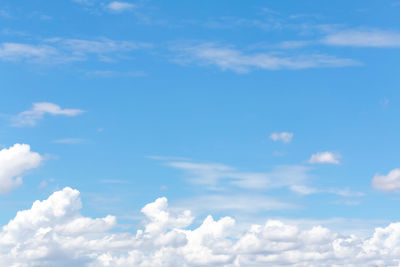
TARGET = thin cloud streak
x,y
229,58
39,110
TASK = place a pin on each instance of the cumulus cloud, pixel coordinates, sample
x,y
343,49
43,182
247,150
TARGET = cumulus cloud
x,y
30,117
14,161
363,38
387,183
325,157
53,232
228,58
117,6
285,137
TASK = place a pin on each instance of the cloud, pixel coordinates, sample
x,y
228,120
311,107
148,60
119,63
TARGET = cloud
x,y
117,6
307,190
30,117
325,158
114,74
70,141
363,38
387,183
215,175
18,52
228,58
14,161
62,50
53,232
234,203
285,137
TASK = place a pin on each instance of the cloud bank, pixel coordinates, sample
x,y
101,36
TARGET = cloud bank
x,y
53,232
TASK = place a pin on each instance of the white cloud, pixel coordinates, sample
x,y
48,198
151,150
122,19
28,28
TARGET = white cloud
x,y
69,141
30,117
285,137
325,157
18,52
363,38
14,161
61,50
53,232
234,203
307,190
387,183
214,175
117,6
228,58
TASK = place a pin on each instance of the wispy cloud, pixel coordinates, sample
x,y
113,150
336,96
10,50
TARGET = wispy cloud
x,y
363,38
285,137
325,157
69,141
229,58
118,7
238,203
60,50
113,181
113,74
39,110
344,192
213,174
18,52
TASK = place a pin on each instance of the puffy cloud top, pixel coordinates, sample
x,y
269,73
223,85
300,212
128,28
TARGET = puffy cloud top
x,y
53,232
387,183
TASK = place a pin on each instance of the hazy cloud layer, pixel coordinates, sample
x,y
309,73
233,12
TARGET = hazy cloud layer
x,y
363,38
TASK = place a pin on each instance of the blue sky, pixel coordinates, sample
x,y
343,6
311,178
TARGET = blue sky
x,y
253,110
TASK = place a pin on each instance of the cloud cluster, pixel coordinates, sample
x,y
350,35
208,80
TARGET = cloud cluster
x,y
30,117
14,161
53,232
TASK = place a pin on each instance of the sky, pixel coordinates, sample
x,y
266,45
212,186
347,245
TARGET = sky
x,y
199,133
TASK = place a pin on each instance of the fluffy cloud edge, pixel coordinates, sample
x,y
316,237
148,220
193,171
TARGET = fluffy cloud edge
x,y
54,232
14,162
